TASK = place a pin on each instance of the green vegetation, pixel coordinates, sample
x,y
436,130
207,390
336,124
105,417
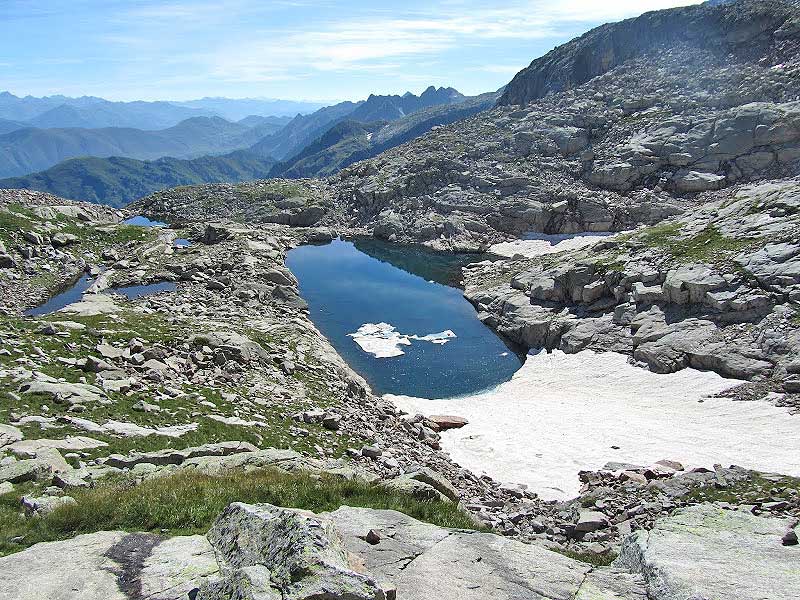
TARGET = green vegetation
x,y
756,488
117,181
272,425
709,245
597,560
188,503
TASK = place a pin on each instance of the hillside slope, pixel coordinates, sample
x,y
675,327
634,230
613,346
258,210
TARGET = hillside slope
x,y
29,150
305,129
117,181
348,141
628,147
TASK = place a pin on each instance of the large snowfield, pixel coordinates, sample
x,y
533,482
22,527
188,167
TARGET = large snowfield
x,y
562,413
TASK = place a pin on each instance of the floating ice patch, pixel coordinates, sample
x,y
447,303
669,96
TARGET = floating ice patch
x,y
383,340
435,338
563,413
538,244
380,340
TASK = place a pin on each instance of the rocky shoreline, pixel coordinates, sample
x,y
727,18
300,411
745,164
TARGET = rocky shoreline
x,y
240,331
190,378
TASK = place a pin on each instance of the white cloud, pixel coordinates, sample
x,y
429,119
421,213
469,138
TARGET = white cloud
x,y
366,44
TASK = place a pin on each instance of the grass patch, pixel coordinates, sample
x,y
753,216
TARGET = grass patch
x,y
709,245
597,560
188,503
753,490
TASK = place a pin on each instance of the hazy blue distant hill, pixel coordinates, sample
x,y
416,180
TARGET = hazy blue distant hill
x,y
7,126
259,121
137,115
117,180
235,109
29,150
350,141
91,112
305,129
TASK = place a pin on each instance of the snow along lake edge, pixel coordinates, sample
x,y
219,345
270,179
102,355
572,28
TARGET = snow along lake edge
x,y
563,413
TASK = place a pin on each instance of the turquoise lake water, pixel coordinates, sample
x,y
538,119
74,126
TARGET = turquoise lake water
x,y
412,290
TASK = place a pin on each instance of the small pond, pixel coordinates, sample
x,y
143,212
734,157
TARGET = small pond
x,y
75,294
143,221
69,296
388,311
181,243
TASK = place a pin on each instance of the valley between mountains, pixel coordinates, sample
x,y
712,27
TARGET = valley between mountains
x,y
538,343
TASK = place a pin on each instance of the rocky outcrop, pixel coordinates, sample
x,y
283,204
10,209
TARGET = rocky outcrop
x,y
723,27
264,551
268,552
709,290
109,565
676,556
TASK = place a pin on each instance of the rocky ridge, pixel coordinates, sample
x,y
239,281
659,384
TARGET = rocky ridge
x,y
714,289
263,551
630,143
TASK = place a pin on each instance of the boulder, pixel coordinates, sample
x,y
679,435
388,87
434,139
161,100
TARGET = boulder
x,y
44,505
269,552
176,457
420,490
239,347
689,283
444,422
589,520
775,266
214,233
25,470
694,181
435,480
9,434
706,552
424,562
63,392
7,261
280,276
109,565
63,239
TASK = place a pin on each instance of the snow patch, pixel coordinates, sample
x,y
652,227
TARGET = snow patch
x,y
382,340
538,244
562,413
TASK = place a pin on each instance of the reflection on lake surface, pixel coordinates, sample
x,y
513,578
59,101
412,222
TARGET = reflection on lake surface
x,y
69,296
143,221
407,346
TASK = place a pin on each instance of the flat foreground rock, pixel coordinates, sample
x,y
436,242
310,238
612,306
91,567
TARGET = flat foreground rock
x,y
108,565
706,552
265,552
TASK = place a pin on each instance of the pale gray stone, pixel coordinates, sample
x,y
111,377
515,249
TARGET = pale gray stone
x,y
297,553
714,553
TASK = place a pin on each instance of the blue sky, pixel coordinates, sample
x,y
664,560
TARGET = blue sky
x,y
293,49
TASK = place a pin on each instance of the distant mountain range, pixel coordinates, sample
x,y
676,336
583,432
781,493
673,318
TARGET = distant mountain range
x,y
90,112
117,181
350,141
237,109
114,166
28,150
305,129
